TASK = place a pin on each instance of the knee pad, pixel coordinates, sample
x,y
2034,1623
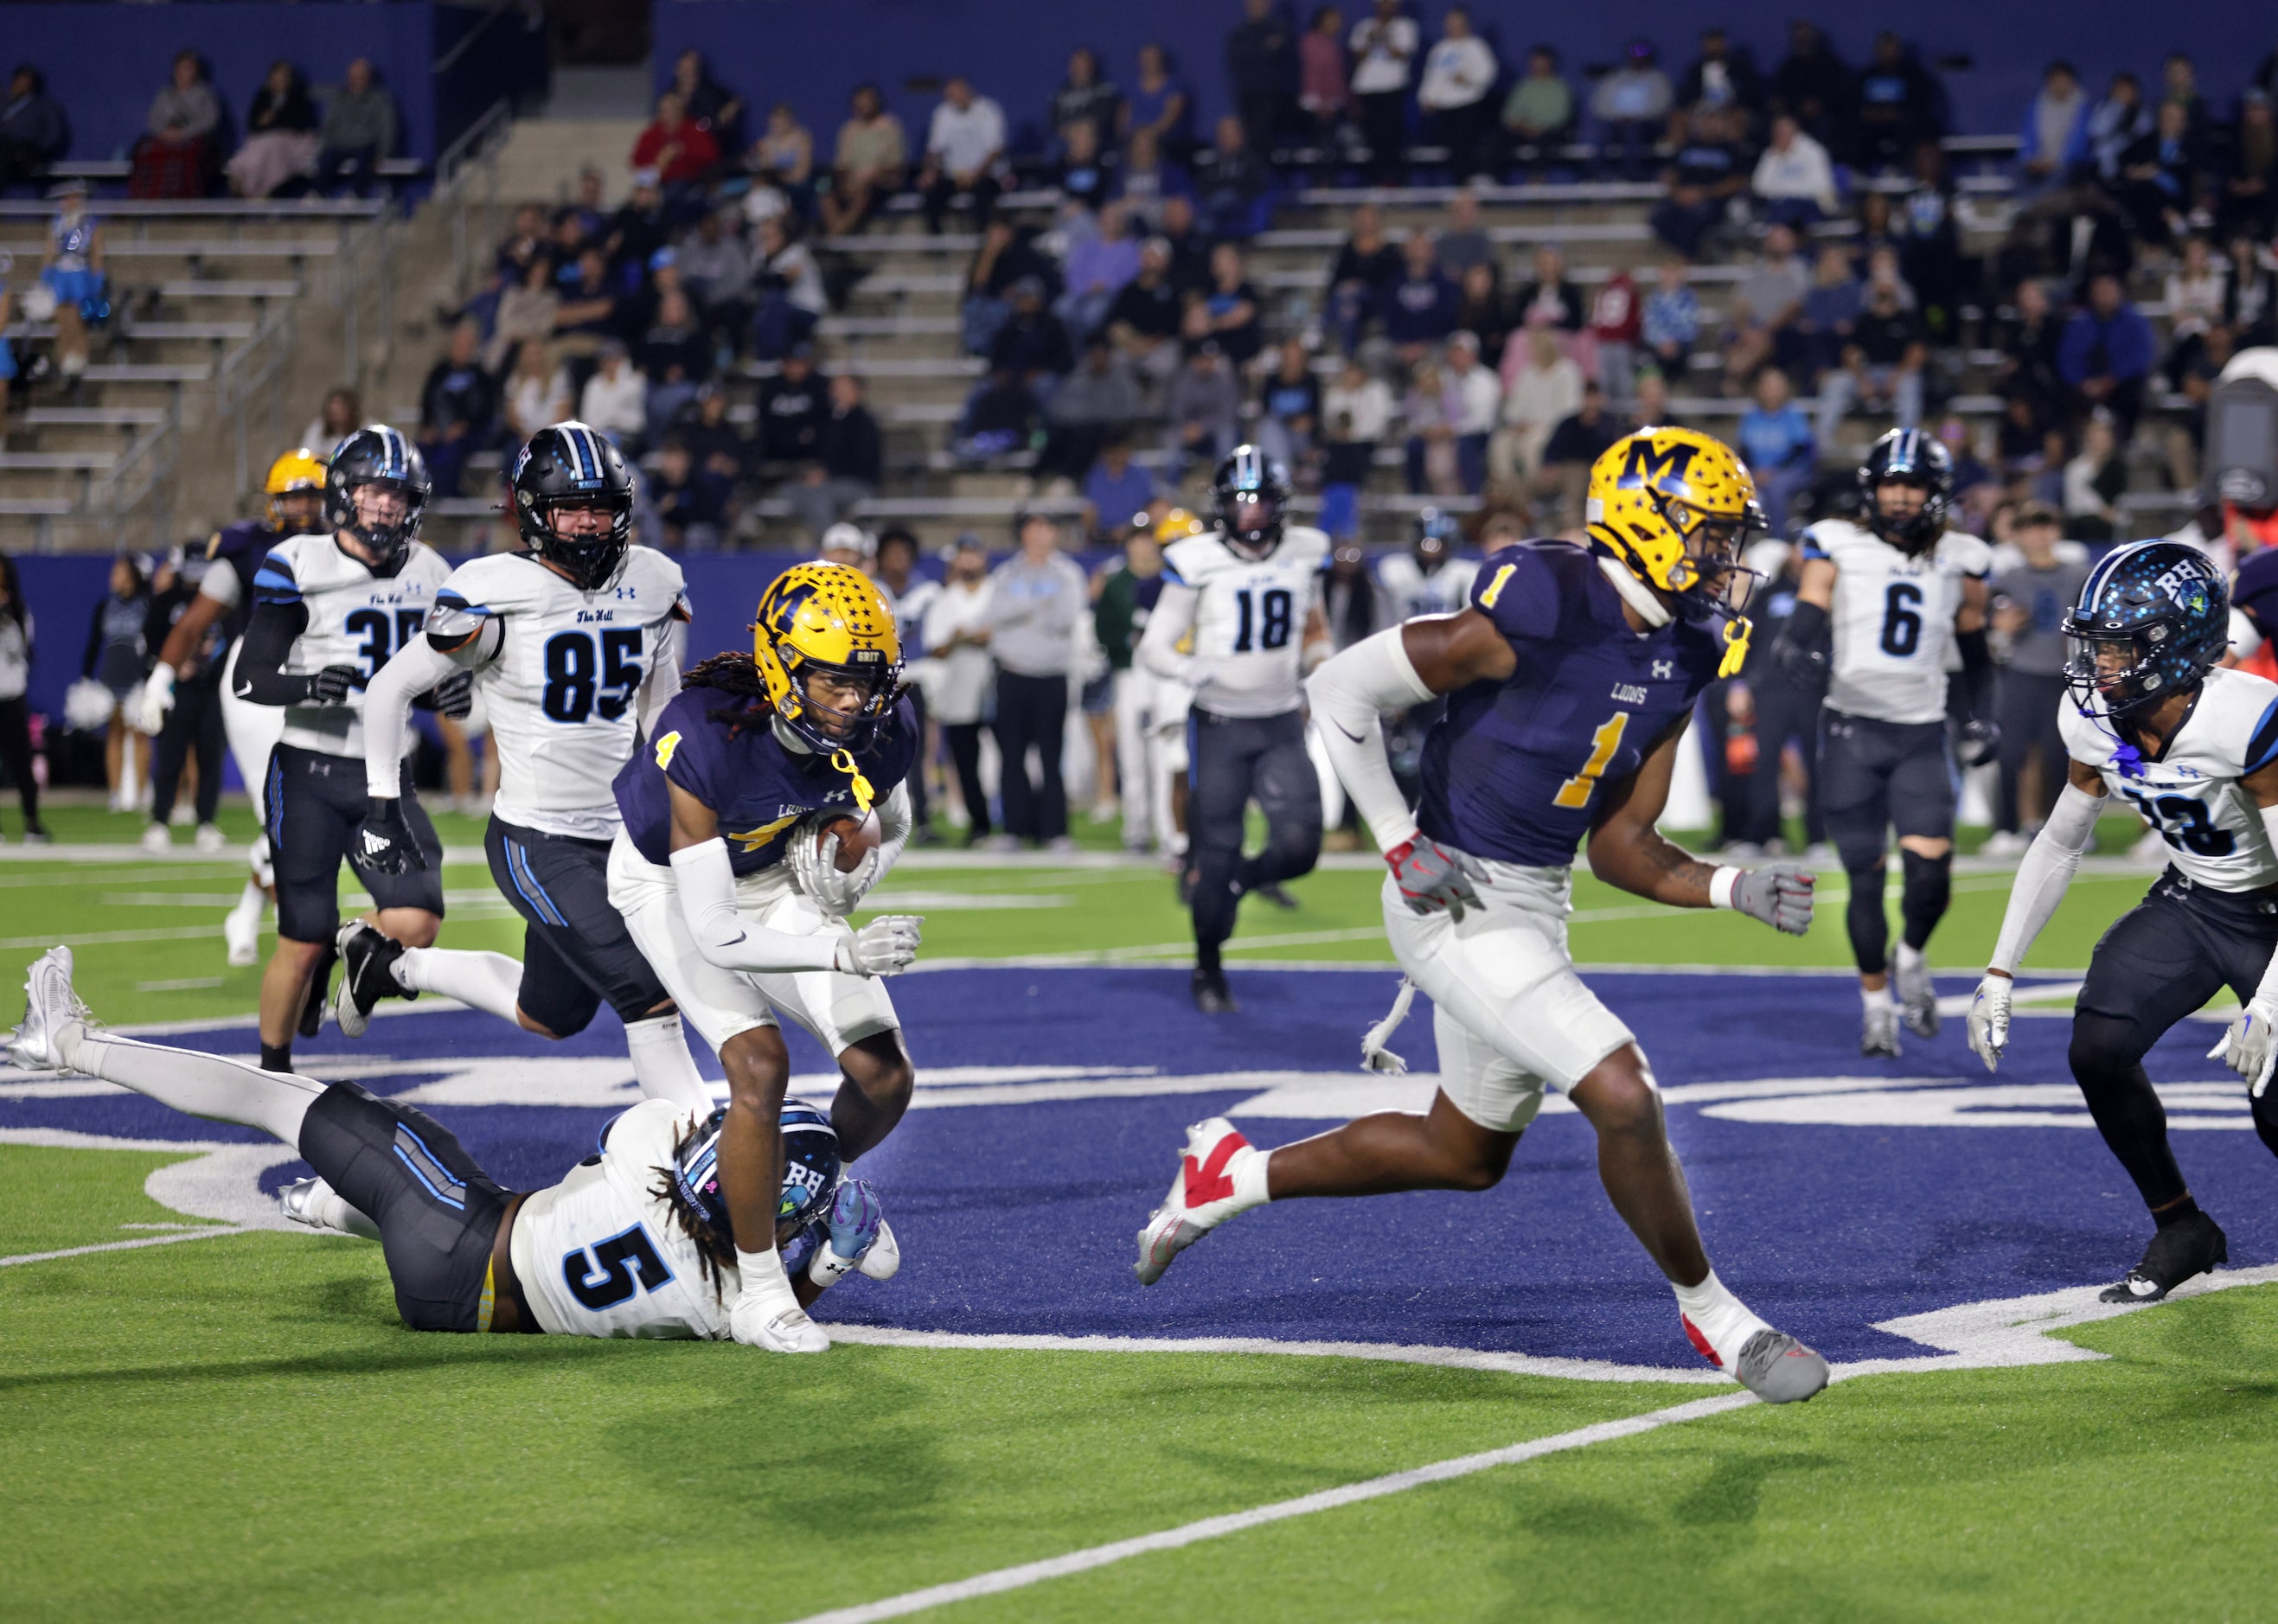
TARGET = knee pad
x,y
1927,889
1865,920
2105,1054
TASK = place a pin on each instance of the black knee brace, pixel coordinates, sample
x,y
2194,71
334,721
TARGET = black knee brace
x,y
1864,918
2108,1061
1927,889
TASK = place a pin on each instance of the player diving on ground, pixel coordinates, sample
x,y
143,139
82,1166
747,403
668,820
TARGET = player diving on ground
x,y
1569,680
573,644
636,1241
727,875
2153,716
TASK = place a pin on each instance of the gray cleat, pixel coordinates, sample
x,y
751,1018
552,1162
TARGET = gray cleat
x,y
49,1005
1880,1034
1917,999
1778,1369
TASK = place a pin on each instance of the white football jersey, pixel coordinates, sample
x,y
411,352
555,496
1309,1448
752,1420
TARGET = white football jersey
x,y
1248,619
2190,792
1443,591
1893,618
560,676
356,618
602,1254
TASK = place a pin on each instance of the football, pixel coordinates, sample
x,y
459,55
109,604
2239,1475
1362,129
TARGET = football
x,y
858,837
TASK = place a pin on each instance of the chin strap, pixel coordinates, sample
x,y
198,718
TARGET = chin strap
x,y
1634,592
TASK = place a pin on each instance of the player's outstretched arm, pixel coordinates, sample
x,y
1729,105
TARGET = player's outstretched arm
x,y
1627,849
2043,877
2248,1043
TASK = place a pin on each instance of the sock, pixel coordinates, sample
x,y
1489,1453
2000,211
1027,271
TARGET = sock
x,y
492,982
1877,999
1718,1324
250,899
662,1065
328,1207
2182,1212
1248,1171
207,1085
763,1277
1909,959
277,1057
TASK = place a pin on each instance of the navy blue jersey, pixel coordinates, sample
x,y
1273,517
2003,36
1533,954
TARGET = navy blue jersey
x,y
2256,595
1515,770
760,790
241,546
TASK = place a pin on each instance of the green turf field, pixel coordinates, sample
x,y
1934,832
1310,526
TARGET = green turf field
x,y
237,1428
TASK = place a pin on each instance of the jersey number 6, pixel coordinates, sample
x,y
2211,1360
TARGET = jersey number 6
x,y
575,674
1902,624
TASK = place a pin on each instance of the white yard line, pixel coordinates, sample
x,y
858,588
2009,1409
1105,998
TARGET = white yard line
x,y
126,1246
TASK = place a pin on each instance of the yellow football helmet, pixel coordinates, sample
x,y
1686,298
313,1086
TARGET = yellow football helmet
x,y
1177,525
828,618
298,470
1675,507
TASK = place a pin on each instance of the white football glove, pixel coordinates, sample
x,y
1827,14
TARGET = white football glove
x,y
158,697
814,871
1989,1019
2246,1046
887,945
775,1324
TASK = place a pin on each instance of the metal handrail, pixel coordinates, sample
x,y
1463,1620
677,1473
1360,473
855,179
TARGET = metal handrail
x,y
474,155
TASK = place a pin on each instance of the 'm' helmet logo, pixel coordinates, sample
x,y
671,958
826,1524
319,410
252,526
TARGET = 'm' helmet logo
x,y
1651,465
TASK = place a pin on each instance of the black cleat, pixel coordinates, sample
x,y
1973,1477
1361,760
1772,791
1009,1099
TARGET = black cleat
x,y
368,959
312,1011
2194,1246
1275,895
1211,997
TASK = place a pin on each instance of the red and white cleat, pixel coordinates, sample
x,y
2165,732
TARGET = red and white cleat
x,y
1202,1197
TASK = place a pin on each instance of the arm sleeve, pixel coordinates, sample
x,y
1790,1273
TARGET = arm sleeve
x,y
1349,695
706,885
418,667
261,677
1173,615
1976,669
2046,871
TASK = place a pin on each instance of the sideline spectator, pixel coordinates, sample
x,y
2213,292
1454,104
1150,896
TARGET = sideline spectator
x,y
2094,481
1143,319
1615,322
1776,441
2161,175
359,134
1830,315
1539,112
1098,268
1289,408
1815,88
1542,387
340,415
1882,369
1032,344
1704,176
1578,440
1114,490
174,159
1150,180
1097,402
1356,415
1432,408
1482,309
1459,76
615,401
16,628
1228,311
679,153
1552,293
34,132
849,458
716,269
867,165
281,135
1384,45
965,152
1160,106
1765,307
1229,179
2116,124
1479,401
1366,268
1323,94
1039,596
538,393
1631,102
2247,204
1795,179
676,358
1420,310
1261,69
118,657
691,501
958,672
784,157
792,299
1085,177
708,103
1462,244
458,409
2105,354
2052,147
1724,78
2029,601
1202,411
1087,98
1899,105
792,405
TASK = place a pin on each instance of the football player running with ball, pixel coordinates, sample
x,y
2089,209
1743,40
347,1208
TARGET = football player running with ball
x,y
1249,593
328,611
1895,589
635,1241
575,646
728,872
1569,678
2154,718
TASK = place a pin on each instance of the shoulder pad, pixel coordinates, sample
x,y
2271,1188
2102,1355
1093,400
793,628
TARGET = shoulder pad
x,y
278,581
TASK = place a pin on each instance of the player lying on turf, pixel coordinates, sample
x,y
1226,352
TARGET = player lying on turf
x,y
1569,680
574,644
636,1241
2194,748
721,881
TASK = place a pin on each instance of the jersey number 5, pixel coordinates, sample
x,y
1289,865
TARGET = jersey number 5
x,y
1902,624
575,676
1275,633
609,1273
1608,739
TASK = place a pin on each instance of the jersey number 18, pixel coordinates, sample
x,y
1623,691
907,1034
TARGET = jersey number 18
x,y
1275,633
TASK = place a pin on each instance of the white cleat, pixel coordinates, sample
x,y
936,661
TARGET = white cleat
x,y
157,839
1917,996
1879,1034
791,1333
210,841
49,1005
1202,1197
240,930
884,1258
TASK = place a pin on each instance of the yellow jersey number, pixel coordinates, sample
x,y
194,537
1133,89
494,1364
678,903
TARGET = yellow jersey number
x,y
670,742
1608,739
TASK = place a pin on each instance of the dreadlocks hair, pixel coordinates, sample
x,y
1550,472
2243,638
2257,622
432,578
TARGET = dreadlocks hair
x,y
738,674
715,1251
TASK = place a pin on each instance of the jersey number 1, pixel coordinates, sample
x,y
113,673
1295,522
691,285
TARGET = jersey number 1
x,y
1275,633
1608,739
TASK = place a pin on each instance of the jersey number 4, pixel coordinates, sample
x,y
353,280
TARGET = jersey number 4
x,y
576,674
374,627
1274,633
603,1276
2183,823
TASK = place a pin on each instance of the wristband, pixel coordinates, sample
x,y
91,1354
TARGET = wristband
x,y
1720,884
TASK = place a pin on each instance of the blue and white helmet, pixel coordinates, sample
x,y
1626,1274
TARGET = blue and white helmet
x,y
1909,456
811,1165
2153,617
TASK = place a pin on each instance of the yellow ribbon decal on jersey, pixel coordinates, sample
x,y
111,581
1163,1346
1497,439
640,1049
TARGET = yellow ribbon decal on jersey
x,y
1495,587
843,760
752,840
665,746
1608,739
1736,645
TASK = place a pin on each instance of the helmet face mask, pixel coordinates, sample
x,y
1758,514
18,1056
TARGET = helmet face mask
x,y
569,469
825,640
369,468
1251,495
1907,459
